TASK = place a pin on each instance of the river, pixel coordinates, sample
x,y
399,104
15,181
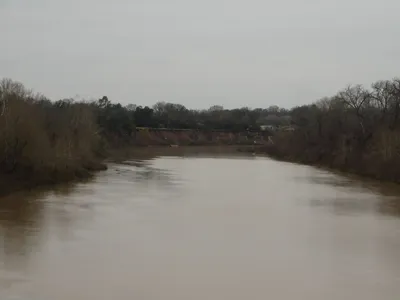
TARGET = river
x,y
203,226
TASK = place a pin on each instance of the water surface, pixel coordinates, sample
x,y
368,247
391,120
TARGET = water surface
x,y
203,226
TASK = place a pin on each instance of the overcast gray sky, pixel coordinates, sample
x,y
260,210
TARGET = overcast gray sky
x,y
231,52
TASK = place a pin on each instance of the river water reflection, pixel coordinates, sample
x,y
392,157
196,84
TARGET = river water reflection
x,y
203,226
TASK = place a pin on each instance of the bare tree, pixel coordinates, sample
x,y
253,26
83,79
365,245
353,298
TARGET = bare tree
x,y
395,101
382,97
356,98
3,102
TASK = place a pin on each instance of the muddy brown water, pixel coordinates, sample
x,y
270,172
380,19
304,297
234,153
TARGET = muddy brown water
x,y
203,226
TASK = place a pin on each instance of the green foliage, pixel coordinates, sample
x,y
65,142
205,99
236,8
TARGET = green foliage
x,y
114,119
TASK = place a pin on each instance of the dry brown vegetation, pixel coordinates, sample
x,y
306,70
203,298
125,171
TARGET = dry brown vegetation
x,y
356,130
41,141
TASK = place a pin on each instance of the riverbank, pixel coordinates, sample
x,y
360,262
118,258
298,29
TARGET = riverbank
x,y
191,137
363,165
27,180
126,153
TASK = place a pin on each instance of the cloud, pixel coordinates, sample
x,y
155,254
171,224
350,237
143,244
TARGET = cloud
x,y
199,53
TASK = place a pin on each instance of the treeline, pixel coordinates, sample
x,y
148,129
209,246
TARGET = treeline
x,y
170,115
43,140
356,130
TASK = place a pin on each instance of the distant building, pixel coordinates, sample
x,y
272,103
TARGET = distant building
x,y
268,127
288,128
